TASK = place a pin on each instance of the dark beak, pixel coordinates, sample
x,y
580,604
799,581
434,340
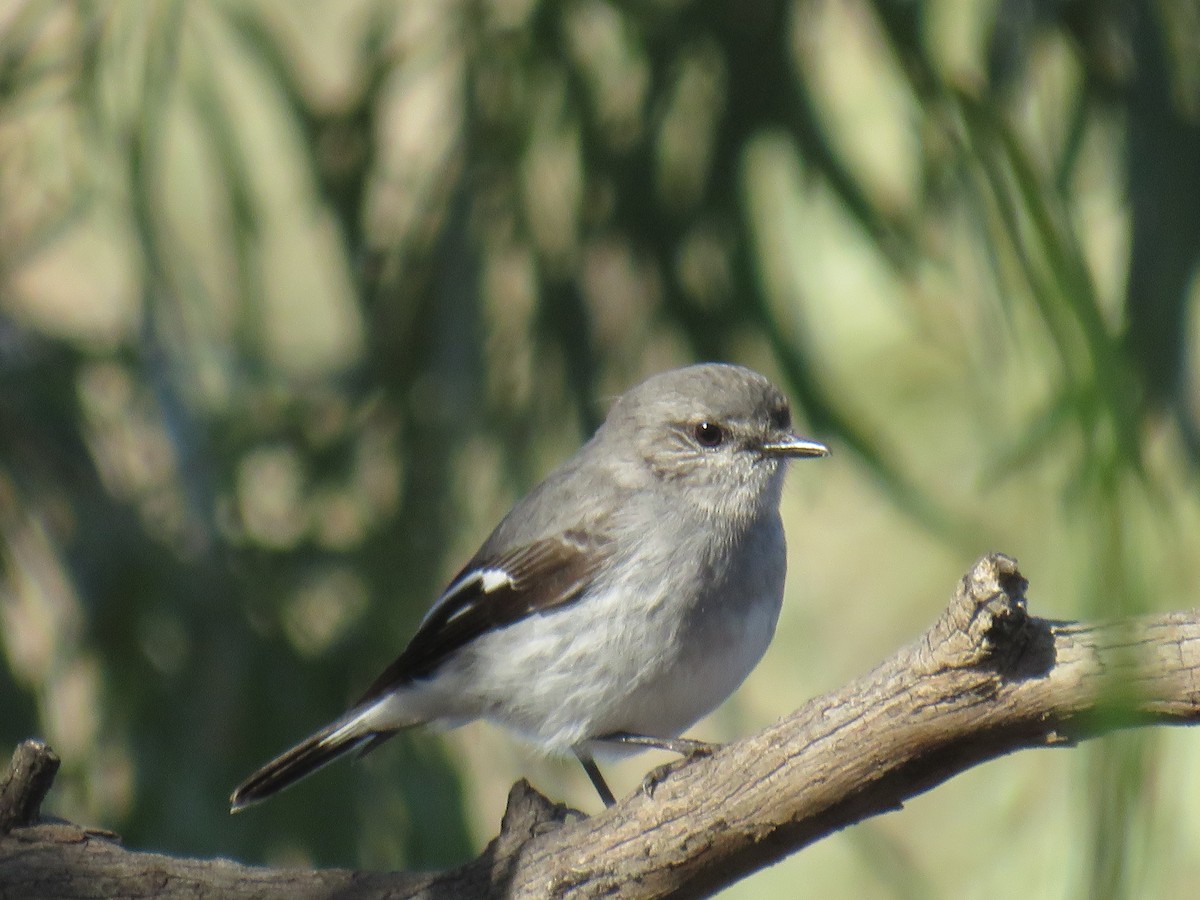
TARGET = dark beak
x,y
791,445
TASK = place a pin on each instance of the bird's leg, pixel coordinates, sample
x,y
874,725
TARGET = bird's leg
x,y
685,747
593,772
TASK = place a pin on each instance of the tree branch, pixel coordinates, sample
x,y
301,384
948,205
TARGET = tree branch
x,y
985,680
25,784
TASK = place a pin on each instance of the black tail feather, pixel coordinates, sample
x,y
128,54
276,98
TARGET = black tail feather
x,y
302,760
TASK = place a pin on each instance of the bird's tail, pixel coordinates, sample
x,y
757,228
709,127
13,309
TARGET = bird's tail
x,y
357,730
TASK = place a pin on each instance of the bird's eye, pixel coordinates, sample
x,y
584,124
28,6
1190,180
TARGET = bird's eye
x,y
708,434
781,418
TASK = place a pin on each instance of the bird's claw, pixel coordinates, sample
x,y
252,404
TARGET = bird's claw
x,y
657,775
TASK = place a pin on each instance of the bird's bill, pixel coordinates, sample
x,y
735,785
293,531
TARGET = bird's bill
x,y
794,445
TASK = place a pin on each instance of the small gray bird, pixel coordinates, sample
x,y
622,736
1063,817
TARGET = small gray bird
x,y
620,601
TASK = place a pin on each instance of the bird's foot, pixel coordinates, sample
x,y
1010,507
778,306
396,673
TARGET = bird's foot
x,y
688,750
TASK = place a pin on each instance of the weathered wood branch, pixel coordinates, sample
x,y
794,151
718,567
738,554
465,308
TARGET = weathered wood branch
x,y
987,679
26,784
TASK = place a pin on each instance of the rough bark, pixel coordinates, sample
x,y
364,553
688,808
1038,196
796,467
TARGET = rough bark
x,y
986,679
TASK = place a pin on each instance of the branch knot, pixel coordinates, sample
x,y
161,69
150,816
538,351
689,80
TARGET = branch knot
x,y
25,784
988,609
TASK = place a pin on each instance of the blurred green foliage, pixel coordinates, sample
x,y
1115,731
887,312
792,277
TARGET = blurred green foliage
x,y
295,298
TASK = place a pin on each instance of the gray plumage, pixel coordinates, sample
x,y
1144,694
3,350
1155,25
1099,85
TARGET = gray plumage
x,y
623,598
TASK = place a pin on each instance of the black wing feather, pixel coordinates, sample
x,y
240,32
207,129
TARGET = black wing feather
x,y
542,576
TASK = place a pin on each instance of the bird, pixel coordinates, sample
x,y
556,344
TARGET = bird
x,y
620,601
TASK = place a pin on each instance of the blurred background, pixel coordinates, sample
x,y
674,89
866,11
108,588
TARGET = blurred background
x,y
297,297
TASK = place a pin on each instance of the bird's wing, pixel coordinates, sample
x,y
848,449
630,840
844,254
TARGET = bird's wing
x,y
492,592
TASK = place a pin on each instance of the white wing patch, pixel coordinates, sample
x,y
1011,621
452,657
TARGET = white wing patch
x,y
489,579
493,579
